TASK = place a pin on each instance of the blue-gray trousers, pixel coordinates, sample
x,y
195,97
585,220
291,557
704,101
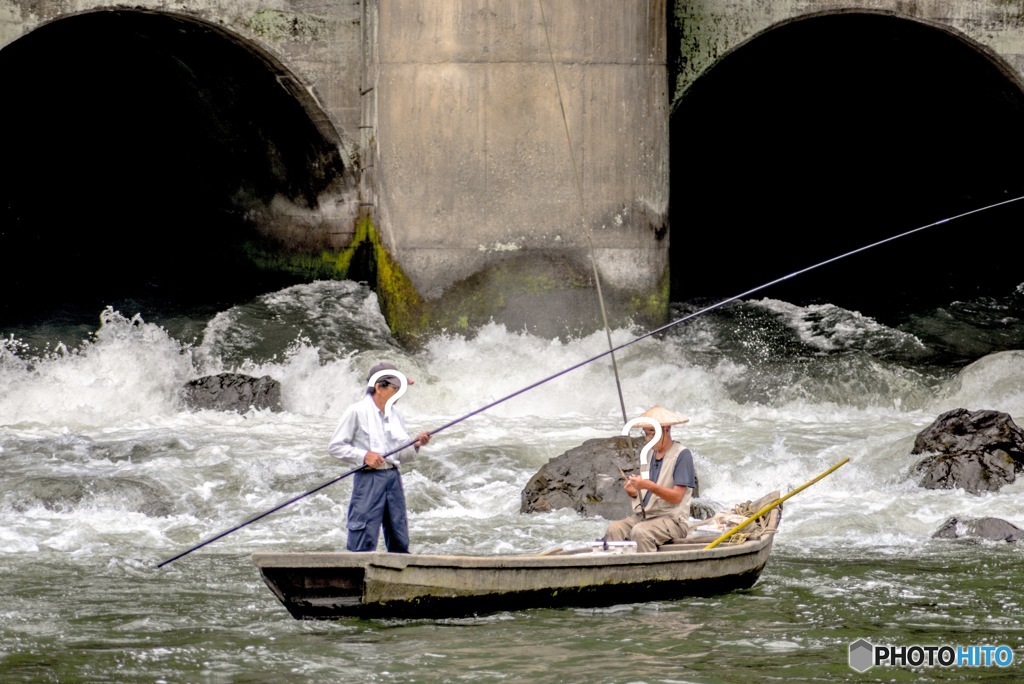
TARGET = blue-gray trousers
x,y
378,500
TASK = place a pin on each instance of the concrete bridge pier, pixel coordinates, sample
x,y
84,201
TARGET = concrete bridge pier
x,y
470,160
492,204
475,159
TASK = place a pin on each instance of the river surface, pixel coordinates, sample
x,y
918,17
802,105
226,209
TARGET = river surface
x,y
106,474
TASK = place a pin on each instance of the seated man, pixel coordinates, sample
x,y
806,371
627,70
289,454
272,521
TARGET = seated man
x,y
662,509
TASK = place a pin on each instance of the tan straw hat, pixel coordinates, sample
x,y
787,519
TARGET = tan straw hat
x,y
664,416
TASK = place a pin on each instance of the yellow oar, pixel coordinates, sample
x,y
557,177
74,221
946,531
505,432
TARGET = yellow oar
x,y
772,505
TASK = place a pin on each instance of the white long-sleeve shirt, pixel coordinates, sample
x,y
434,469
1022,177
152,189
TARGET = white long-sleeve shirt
x,y
364,427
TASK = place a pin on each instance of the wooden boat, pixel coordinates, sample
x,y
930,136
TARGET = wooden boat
x,y
377,584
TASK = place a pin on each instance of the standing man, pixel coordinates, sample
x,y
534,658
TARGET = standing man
x,y
664,510
368,430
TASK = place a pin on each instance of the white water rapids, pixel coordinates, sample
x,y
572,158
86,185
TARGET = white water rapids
x,y
106,472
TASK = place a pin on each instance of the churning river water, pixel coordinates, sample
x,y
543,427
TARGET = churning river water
x,y
106,474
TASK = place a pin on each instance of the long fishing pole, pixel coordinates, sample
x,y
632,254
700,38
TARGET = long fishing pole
x,y
266,513
576,366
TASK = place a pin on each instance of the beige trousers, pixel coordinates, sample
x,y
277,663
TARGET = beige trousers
x,y
648,533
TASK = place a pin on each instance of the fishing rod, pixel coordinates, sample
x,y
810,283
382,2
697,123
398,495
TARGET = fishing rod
x,y
268,512
596,357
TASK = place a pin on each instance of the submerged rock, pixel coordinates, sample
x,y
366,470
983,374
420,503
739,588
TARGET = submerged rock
x,y
73,492
995,529
233,392
588,479
978,451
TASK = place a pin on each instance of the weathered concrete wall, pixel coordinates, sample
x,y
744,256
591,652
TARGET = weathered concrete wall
x,y
474,169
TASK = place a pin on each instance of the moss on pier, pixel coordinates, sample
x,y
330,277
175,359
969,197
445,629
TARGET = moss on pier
x,y
653,308
281,26
544,293
367,259
364,259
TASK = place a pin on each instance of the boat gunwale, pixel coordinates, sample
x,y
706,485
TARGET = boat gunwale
x,y
350,559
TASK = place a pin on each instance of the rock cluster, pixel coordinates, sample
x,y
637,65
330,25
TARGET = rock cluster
x,y
978,451
233,392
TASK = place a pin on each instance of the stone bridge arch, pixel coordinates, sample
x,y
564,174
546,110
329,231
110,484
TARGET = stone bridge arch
x,y
826,132
152,152
442,123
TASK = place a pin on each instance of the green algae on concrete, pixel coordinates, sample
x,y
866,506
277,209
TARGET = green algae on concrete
x,y
270,258
366,258
653,308
543,293
277,25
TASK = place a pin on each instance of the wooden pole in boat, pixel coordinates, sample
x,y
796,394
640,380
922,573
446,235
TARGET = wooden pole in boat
x,y
772,505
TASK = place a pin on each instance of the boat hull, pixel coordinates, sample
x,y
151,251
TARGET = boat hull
x,y
336,585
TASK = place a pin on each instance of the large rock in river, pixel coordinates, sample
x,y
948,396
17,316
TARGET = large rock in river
x,y
979,451
995,529
588,479
233,392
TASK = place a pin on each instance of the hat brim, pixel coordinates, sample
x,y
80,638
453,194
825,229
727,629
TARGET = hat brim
x,y
665,417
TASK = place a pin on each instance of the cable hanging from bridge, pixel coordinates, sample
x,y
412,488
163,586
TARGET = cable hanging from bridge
x,y
583,215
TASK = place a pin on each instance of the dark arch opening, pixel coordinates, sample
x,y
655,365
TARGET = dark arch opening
x,y
826,134
139,148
